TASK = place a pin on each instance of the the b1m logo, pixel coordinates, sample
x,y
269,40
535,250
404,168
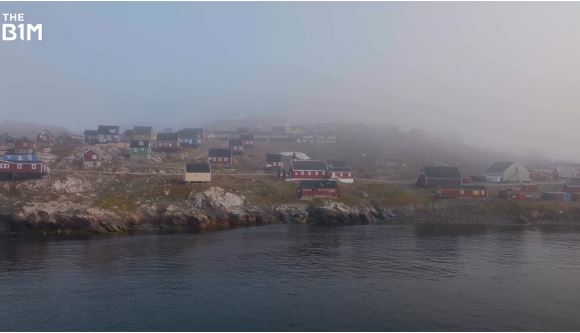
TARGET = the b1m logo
x,y
14,28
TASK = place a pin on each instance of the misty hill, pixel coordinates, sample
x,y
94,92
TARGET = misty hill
x,y
17,129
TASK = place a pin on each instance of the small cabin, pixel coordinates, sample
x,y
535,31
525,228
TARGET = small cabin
x,y
247,140
140,149
21,170
197,172
236,146
108,134
24,146
435,176
168,142
462,191
65,139
273,162
91,159
220,157
45,138
307,169
312,189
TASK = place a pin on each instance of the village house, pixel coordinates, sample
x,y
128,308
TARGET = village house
x,y
273,161
91,137
191,137
220,157
91,159
44,138
311,189
340,171
317,138
197,172
434,176
6,141
544,174
236,146
566,171
142,133
247,140
108,134
307,170
168,142
24,146
572,185
139,150
65,139
21,167
462,191
507,172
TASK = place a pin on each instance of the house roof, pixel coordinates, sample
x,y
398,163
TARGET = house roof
x,y
167,136
220,152
441,172
275,157
336,164
314,184
106,129
190,132
235,142
197,167
90,132
463,187
142,130
24,139
574,182
64,135
139,143
309,165
499,167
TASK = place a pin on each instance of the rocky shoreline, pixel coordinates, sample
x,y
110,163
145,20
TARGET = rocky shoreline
x,y
216,209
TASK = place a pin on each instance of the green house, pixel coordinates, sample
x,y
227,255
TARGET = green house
x,y
140,150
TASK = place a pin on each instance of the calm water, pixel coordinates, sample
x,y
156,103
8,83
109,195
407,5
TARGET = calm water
x,y
288,277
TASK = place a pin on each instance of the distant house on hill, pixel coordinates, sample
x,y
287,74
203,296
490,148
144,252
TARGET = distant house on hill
x,y
572,185
24,146
21,169
507,171
311,189
191,137
45,138
108,134
91,159
462,191
236,146
142,133
65,139
434,176
140,149
247,140
340,171
273,162
308,170
197,172
168,142
91,137
219,156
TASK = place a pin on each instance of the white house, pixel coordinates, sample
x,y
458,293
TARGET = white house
x,y
507,172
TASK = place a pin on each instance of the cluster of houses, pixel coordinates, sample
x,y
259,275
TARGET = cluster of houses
x,y
449,182
20,161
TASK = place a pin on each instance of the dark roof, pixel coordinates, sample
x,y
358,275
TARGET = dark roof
x,y
142,130
274,157
313,184
197,167
346,168
90,132
105,129
247,136
219,152
167,136
188,132
499,167
441,172
336,164
139,143
309,165
235,142
64,135
574,182
24,139
463,187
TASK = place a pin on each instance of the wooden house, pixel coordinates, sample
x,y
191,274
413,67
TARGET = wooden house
x,y
462,191
45,138
247,140
142,133
197,172
168,142
435,176
140,150
274,162
236,146
572,185
108,134
507,172
311,189
65,139
91,159
340,171
566,171
91,137
191,137
220,157
307,170
24,146
13,167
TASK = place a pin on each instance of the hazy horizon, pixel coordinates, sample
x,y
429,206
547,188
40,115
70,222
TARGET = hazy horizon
x,y
499,75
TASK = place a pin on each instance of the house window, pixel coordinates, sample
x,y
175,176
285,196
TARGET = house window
x,y
33,166
461,192
475,192
19,166
94,157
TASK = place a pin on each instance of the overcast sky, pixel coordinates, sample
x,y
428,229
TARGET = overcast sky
x,y
499,74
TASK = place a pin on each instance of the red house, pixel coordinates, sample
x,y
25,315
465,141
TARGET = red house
x,y
572,186
462,191
44,138
307,169
218,156
168,142
236,146
91,159
24,146
340,171
435,176
311,189
23,170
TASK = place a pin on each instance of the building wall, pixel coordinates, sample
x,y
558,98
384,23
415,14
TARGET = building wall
x,y
516,173
197,177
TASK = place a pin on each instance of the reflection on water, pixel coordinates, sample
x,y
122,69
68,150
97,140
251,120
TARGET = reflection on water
x,y
289,277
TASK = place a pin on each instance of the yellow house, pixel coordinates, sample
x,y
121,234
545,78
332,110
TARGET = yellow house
x,y
197,172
